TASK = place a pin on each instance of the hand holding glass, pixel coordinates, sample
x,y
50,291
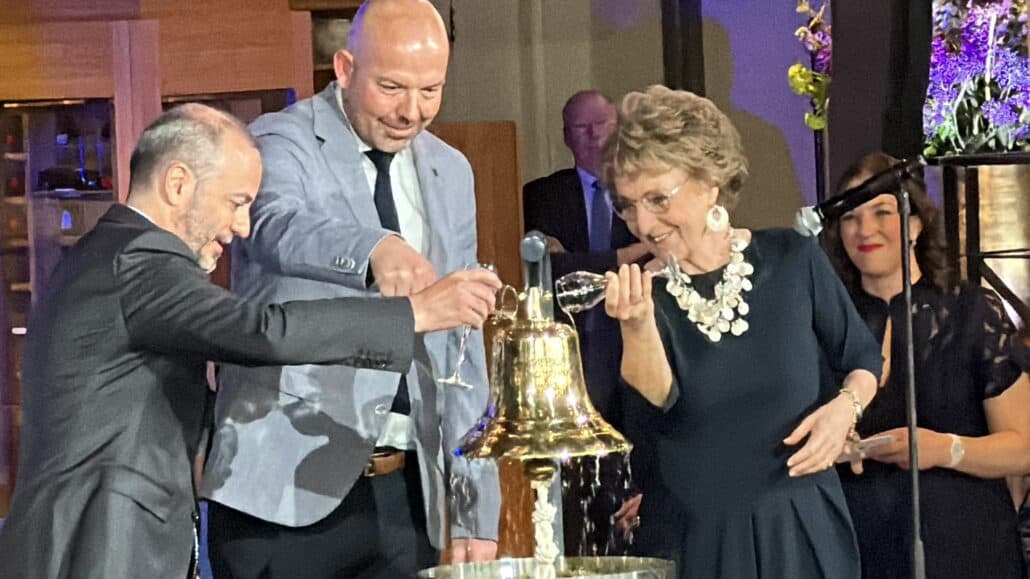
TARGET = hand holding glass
x,y
455,379
582,290
579,291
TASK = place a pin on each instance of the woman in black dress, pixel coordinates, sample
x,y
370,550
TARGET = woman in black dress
x,y
973,399
727,352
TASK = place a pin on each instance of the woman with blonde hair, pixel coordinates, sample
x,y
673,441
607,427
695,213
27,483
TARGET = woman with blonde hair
x,y
727,351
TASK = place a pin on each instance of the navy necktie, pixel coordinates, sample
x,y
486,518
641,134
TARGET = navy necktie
x,y
383,194
387,210
600,240
600,220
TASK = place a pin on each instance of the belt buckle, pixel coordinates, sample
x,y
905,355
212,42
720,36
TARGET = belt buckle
x,y
370,467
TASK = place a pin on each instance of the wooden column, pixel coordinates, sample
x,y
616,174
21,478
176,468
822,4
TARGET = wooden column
x,y
492,150
881,58
303,65
137,90
682,45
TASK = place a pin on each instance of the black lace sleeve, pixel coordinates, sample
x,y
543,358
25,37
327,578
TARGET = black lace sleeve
x,y
1000,347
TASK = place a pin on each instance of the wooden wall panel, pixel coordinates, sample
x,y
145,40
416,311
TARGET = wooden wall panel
x,y
201,54
12,11
515,535
302,51
492,150
344,6
59,60
164,8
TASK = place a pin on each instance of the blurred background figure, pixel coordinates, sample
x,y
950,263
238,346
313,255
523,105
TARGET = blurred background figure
x,y
572,208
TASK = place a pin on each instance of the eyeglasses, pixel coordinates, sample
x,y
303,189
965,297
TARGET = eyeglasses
x,y
598,127
656,202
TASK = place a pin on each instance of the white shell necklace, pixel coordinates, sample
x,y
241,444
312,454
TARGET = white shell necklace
x,y
725,312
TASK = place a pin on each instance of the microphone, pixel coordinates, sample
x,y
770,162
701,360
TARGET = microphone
x,y
809,220
886,181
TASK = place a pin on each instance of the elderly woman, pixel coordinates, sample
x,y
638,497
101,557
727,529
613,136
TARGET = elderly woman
x,y
973,399
728,351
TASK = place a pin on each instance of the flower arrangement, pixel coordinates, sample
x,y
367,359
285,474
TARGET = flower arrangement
x,y
813,81
978,98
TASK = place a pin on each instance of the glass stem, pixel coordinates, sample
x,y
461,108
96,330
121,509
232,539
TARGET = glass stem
x,y
462,346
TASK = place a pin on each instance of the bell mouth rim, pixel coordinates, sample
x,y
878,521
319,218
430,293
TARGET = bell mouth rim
x,y
623,565
500,441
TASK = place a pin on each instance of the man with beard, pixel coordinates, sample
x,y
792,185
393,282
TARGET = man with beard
x,y
116,348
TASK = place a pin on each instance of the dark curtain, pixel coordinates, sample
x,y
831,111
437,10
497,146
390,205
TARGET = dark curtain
x,y
881,67
682,46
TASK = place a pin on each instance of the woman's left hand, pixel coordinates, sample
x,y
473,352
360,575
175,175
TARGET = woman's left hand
x,y
934,449
827,430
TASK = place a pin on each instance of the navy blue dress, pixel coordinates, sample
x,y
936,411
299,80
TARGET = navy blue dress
x,y
717,498
965,352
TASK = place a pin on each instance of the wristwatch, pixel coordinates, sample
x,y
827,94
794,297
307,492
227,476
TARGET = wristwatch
x,y
958,450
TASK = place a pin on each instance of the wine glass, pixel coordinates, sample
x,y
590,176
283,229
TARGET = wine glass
x,y
455,379
580,291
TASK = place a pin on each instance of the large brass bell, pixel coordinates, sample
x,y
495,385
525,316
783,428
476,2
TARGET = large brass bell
x,y
539,409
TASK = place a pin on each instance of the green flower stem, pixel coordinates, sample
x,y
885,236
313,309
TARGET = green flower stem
x,y
954,118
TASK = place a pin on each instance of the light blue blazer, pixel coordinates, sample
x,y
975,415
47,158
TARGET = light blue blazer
x,y
290,441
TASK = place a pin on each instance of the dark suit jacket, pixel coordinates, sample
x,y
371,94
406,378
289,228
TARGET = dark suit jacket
x,y
114,391
554,206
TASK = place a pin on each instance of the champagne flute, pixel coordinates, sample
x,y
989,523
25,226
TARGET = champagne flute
x,y
455,378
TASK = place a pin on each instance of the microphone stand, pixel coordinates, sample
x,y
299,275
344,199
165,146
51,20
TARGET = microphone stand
x,y
905,211
809,222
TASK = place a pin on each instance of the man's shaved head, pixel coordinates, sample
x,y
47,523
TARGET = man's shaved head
x,y
393,71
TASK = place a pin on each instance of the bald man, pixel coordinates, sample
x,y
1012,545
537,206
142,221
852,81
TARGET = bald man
x,y
357,199
115,355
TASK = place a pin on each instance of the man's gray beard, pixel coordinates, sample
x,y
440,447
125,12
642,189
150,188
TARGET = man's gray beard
x,y
198,258
191,224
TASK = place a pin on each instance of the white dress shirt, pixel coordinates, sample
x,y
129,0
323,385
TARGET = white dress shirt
x,y
399,430
407,195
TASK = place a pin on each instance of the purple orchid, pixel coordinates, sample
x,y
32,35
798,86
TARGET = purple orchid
x,y
978,97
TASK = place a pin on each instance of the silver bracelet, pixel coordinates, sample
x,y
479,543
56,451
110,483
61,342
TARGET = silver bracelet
x,y
958,450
